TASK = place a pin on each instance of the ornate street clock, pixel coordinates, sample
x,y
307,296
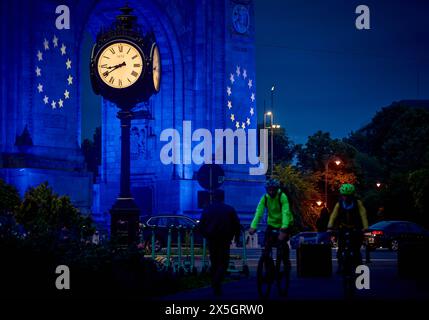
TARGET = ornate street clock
x,y
125,69
125,64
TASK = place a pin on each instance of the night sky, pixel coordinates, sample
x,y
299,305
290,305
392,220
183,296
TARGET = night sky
x,y
329,75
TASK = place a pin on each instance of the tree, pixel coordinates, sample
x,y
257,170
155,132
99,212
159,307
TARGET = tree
x,y
302,193
370,138
42,212
321,149
419,186
318,147
398,136
284,148
394,150
9,198
406,147
9,201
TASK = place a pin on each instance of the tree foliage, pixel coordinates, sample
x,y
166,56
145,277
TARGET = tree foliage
x,y
42,212
319,153
320,148
394,150
9,198
419,186
302,193
284,148
398,136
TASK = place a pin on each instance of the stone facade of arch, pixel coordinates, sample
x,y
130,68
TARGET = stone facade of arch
x,y
200,48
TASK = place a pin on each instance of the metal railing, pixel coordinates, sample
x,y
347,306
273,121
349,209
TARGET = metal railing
x,y
177,263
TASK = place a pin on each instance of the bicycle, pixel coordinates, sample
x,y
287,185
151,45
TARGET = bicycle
x,y
268,271
349,239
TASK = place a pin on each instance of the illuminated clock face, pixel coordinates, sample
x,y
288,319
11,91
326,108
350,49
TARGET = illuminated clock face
x,y
156,68
120,65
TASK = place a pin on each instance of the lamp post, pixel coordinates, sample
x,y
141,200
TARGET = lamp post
x,y
337,162
272,97
271,127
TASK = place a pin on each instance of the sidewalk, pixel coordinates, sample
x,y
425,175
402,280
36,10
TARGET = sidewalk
x,y
385,284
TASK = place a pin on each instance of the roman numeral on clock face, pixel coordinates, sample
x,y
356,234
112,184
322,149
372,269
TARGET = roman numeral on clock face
x,y
137,65
120,83
112,80
135,74
112,50
121,48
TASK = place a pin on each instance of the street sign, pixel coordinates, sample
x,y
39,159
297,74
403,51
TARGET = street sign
x,y
211,176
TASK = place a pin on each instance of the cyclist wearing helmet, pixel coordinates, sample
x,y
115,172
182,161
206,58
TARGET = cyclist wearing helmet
x,y
279,214
349,214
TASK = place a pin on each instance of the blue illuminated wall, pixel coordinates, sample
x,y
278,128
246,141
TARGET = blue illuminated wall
x,y
202,43
40,110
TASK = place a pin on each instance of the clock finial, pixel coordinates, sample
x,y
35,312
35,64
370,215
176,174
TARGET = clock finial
x,y
126,19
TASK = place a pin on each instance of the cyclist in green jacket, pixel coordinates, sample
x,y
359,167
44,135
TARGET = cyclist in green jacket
x,y
279,218
277,204
349,214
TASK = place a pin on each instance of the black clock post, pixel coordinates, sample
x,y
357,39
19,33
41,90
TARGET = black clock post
x,y
125,213
125,70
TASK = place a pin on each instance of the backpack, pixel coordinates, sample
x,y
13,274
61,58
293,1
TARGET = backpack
x,y
296,219
280,200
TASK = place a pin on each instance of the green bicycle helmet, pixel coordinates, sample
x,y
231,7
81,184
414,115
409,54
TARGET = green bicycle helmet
x,y
347,189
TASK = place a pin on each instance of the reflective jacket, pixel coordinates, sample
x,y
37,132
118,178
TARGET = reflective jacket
x,y
279,214
352,216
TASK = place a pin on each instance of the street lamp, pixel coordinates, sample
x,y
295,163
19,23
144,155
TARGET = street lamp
x,y
272,97
378,184
337,162
319,203
270,114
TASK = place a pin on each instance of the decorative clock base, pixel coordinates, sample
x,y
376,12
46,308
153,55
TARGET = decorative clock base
x,y
125,221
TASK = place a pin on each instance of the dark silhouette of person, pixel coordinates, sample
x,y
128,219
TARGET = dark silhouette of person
x,y
323,220
219,224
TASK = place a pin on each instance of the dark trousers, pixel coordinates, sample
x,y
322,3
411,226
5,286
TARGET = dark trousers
x,y
219,259
271,240
355,244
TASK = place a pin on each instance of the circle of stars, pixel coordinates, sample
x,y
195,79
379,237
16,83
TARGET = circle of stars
x,y
54,46
240,75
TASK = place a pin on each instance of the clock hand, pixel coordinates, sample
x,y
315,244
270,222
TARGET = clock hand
x,y
117,66
111,67
114,68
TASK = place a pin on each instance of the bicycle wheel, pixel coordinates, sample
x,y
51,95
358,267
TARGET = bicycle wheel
x,y
283,276
348,277
348,283
265,276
